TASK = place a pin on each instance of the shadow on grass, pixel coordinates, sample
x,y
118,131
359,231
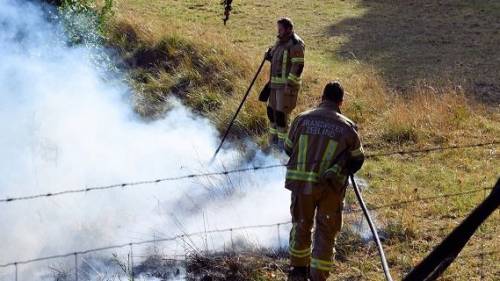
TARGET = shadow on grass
x,y
439,42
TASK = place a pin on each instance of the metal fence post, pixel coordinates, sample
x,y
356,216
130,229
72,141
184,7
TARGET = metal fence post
x,y
184,247
232,243
16,271
279,237
131,262
76,266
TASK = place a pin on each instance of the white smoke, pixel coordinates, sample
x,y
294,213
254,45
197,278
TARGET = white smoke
x,y
64,125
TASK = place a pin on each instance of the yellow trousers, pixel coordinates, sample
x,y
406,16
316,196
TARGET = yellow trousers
x,y
323,210
280,104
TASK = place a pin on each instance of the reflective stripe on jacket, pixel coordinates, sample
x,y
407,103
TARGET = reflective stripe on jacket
x,y
287,62
320,139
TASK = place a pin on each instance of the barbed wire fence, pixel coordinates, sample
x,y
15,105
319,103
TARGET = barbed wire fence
x,y
252,168
189,245
185,237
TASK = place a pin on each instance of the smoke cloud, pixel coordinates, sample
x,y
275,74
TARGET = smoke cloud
x,y
65,124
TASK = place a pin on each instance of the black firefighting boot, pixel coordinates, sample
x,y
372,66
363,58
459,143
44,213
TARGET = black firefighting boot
x,y
298,273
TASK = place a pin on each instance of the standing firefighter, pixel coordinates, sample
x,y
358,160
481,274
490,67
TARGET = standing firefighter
x,y
324,148
287,63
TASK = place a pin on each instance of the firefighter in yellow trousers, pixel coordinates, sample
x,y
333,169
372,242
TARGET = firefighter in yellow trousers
x,y
324,148
287,63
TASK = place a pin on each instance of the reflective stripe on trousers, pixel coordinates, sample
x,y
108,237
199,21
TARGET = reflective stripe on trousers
x,y
323,209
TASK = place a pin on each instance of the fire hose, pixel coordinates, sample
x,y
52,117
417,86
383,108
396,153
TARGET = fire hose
x,y
373,229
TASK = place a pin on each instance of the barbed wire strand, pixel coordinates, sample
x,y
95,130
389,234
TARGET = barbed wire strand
x,y
180,257
174,238
448,195
432,149
138,243
219,173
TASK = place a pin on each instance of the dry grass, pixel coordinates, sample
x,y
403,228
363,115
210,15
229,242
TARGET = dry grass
x,y
210,74
251,266
207,78
436,41
180,48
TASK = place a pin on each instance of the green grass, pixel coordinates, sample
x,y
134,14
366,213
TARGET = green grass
x,y
418,73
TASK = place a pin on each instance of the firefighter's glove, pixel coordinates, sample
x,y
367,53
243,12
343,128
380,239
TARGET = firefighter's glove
x,y
334,177
269,55
353,165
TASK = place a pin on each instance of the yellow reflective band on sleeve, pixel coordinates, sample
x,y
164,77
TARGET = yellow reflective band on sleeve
x,y
282,135
302,155
278,80
328,155
297,60
273,131
335,169
321,264
302,176
357,152
288,142
294,79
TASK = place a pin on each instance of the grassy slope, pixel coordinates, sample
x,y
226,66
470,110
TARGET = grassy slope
x,y
380,50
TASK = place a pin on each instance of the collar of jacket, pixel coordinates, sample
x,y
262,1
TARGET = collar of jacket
x,y
329,105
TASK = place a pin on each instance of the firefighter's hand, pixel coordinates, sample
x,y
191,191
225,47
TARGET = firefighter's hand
x,y
333,180
328,177
269,55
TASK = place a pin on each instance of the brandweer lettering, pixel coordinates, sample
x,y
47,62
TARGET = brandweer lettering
x,y
319,127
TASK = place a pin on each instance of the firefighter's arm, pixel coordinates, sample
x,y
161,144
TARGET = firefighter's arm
x,y
297,60
269,54
356,155
292,137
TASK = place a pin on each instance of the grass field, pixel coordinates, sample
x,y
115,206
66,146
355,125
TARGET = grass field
x,y
418,73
